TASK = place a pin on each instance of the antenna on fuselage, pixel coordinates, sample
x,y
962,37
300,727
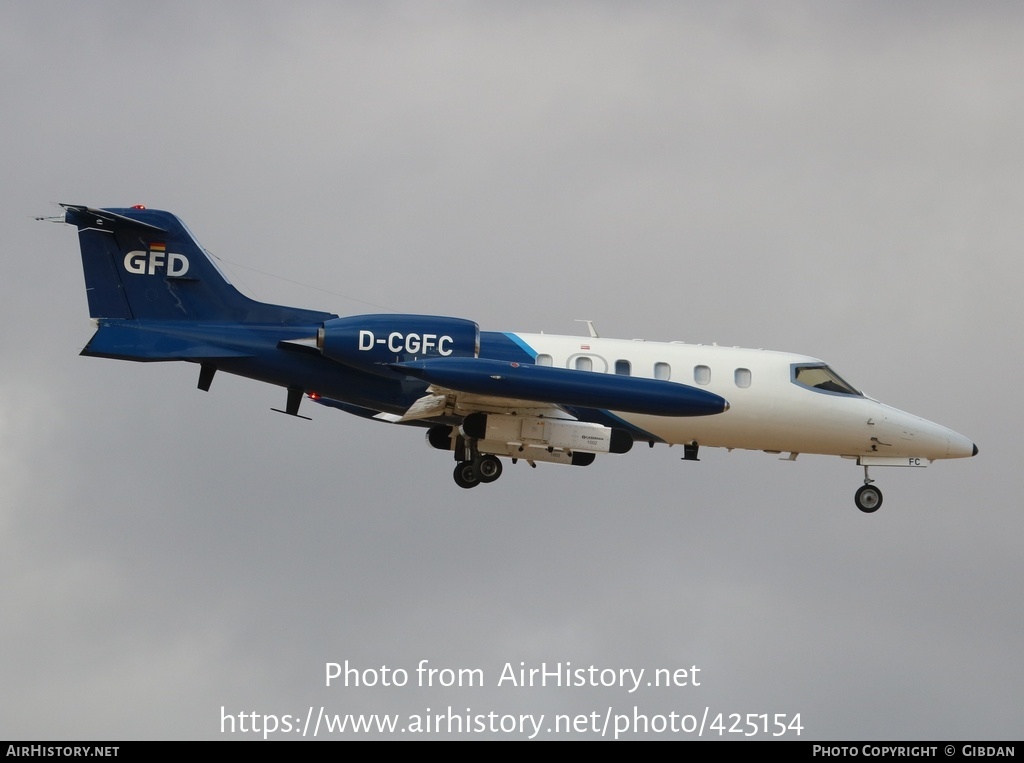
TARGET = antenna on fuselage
x,y
590,327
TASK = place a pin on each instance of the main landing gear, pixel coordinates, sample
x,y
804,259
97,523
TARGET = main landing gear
x,y
481,469
868,497
473,467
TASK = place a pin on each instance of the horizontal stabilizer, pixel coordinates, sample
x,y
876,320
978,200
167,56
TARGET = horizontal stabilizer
x,y
128,341
102,218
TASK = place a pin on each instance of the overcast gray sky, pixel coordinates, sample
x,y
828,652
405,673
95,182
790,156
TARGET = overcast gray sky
x,y
841,180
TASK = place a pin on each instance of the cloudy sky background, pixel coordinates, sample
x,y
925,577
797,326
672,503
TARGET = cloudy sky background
x,y
841,181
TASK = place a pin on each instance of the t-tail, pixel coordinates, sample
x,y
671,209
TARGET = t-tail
x,y
146,275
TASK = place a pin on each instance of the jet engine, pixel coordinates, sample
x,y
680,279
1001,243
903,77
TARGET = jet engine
x,y
368,342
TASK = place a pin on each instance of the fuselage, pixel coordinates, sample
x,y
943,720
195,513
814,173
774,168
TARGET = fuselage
x,y
157,296
777,401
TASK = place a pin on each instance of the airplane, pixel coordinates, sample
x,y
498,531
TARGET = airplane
x,y
156,295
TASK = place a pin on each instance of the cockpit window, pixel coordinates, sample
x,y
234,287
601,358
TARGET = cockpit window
x,y
822,378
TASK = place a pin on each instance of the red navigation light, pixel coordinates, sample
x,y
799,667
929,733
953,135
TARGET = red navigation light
x,y
138,206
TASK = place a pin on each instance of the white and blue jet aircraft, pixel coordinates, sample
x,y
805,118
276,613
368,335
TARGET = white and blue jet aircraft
x,y
155,295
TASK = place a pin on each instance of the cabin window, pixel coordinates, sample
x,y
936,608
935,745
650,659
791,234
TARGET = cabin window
x,y
583,363
622,368
702,374
742,377
823,378
543,360
662,371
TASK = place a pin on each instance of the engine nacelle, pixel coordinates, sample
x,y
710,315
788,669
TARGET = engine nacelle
x,y
369,341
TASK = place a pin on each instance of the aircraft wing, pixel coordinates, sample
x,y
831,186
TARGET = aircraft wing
x,y
508,383
444,401
460,387
440,403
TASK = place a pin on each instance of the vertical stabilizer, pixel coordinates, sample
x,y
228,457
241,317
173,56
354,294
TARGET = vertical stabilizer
x,y
142,264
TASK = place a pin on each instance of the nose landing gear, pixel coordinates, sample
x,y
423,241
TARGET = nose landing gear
x,y
868,497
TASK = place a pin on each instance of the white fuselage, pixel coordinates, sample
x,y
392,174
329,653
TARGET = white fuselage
x,y
769,410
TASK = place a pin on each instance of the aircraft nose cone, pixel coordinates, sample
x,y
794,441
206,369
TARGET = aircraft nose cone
x,y
960,447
